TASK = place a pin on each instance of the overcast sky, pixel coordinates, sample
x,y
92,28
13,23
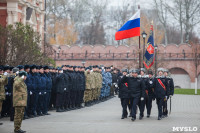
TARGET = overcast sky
x,y
145,4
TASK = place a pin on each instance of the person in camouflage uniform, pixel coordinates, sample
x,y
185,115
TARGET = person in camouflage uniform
x,y
88,91
19,100
95,93
93,85
3,82
99,82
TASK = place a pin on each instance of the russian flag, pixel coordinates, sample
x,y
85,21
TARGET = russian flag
x,y
130,29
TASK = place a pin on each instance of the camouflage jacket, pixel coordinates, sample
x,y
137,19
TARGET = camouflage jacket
x,y
93,81
88,80
3,82
99,80
19,92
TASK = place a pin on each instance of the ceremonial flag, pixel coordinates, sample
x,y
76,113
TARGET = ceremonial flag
x,y
130,29
149,54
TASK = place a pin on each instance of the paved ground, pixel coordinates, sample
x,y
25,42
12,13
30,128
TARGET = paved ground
x,y
105,118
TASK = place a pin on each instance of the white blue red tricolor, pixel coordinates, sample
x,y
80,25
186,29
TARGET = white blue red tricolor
x,y
130,29
149,53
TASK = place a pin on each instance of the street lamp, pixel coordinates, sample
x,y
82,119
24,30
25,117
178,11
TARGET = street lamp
x,y
59,48
156,47
83,62
144,35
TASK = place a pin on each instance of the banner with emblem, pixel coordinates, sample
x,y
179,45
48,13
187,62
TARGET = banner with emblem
x,y
149,53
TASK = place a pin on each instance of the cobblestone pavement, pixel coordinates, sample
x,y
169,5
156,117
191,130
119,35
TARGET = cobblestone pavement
x,y
105,118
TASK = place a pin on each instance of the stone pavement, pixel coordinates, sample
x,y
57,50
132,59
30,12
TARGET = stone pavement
x,y
105,118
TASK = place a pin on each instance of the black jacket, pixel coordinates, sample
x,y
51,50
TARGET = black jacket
x,y
150,87
135,85
60,83
171,85
160,91
123,88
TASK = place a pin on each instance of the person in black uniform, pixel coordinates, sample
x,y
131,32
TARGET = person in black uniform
x,y
161,91
142,103
123,94
171,91
136,87
60,88
151,95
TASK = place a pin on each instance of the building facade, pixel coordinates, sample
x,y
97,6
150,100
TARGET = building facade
x,y
30,12
179,59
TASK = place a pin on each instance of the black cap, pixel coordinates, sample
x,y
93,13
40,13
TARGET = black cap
x,y
26,67
20,67
6,68
32,67
11,67
46,67
1,68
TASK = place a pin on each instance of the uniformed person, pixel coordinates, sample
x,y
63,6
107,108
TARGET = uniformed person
x,y
151,95
3,82
171,91
161,91
123,94
88,90
19,100
137,89
142,103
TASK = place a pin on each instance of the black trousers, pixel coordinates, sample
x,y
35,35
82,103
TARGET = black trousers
x,y
77,100
6,107
124,103
66,99
160,102
40,104
81,96
141,105
130,103
53,99
59,100
33,103
47,97
134,106
149,105
73,96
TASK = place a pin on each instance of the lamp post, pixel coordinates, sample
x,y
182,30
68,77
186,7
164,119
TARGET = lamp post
x,y
156,47
144,35
59,48
83,62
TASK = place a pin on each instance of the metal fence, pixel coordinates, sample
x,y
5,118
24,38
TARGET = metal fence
x,y
122,56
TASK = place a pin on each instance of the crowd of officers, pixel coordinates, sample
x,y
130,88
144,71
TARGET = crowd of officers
x,y
38,89
42,88
138,90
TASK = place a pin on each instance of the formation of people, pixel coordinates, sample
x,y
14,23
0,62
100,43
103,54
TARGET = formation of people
x,y
30,91
138,90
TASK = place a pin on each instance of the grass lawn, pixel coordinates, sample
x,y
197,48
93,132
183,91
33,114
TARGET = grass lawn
x,y
186,91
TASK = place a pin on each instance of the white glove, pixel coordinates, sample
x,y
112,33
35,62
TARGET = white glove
x,y
17,72
127,75
45,93
170,96
65,89
6,93
40,93
166,97
116,85
22,77
142,98
31,93
5,74
150,82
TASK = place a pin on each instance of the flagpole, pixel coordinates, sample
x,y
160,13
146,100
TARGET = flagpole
x,y
139,46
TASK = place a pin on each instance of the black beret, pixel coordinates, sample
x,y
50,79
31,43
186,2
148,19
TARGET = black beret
x,y
26,66
20,67
1,67
46,67
11,67
33,66
6,68
67,65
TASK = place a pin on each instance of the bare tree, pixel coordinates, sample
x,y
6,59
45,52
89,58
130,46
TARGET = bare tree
x,y
162,15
